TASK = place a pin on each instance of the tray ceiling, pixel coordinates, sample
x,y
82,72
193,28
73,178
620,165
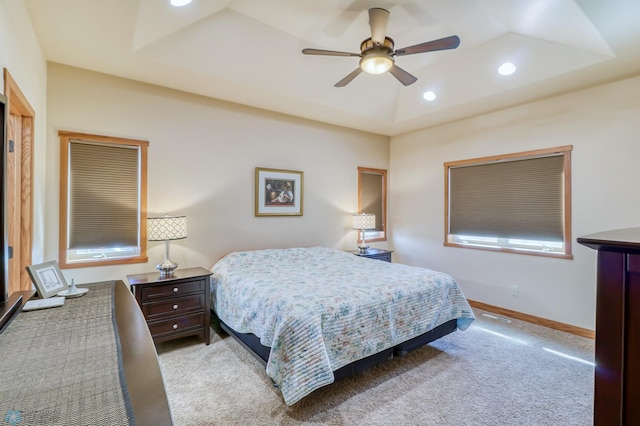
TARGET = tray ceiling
x,y
249,52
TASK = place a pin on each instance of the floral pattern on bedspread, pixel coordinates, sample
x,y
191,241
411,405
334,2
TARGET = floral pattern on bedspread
x,y
319,309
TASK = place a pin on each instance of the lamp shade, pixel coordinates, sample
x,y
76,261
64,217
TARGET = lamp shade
x,y
166,228
364,221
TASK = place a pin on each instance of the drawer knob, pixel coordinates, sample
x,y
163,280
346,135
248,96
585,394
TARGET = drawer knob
x,y
175,326
175,306
175,289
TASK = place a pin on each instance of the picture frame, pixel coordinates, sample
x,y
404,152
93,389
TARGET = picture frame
x,y
48,278
279,192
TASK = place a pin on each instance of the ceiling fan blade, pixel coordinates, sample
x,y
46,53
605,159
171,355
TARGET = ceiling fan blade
x,y
450,42
402,76
348,78
327,52
378,20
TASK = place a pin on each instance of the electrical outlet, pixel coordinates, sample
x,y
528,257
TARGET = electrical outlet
x,y
515,291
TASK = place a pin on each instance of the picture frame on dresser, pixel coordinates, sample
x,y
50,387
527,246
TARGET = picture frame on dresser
x,y
278,192
47,278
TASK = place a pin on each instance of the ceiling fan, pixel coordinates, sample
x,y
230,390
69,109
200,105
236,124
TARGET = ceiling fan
x,y
377,55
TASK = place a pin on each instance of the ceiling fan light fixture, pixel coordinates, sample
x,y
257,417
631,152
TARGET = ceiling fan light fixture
x,y
376,64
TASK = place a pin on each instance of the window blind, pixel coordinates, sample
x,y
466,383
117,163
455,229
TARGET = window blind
x,y
520,199
371,202
103,195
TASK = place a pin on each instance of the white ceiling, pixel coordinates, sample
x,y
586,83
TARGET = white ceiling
x,y
249,52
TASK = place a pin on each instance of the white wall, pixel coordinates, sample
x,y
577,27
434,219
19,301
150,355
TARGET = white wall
x,y
602,124
202,159
20,54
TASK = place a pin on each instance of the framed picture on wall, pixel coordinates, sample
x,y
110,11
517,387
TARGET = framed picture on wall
x,y
279,192
47,278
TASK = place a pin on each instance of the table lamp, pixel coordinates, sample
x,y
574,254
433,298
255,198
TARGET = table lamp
x,y
362,222
167,228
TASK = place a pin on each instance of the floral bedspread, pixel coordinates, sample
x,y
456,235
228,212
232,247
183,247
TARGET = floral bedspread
x,y
319,309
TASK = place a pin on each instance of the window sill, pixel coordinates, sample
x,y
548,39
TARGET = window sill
x,y
122,261
567,256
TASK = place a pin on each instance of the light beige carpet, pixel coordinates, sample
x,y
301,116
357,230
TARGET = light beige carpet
x,y
494,373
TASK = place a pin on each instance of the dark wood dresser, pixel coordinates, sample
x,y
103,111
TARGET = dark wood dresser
x,y
78,337
177,305
617,374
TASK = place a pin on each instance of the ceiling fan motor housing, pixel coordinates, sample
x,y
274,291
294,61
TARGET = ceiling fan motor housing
x,y
368,44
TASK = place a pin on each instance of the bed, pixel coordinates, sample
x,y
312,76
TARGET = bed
x,y
312,315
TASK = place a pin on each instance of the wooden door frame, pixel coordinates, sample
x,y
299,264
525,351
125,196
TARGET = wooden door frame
x,y
19,106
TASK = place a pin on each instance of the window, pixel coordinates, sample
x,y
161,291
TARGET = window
x,y
103,189
372,198
519,203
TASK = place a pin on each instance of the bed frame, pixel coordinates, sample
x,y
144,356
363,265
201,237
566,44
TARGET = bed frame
x,y
252,344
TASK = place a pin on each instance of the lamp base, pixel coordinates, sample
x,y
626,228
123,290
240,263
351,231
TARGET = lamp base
x,y
363,242
166,268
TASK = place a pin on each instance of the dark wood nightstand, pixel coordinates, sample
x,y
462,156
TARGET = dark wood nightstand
x,y
175,306
374,253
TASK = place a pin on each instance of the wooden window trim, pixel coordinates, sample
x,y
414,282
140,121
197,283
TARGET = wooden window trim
x,y
19,106
65,138
565,151
382,172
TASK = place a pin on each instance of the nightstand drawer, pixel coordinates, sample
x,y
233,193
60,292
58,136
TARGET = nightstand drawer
x,y
176,325
384,256
172,290
179,305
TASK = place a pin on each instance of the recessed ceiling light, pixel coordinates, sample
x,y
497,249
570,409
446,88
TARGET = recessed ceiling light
x,y
507,68
180,3
429,96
